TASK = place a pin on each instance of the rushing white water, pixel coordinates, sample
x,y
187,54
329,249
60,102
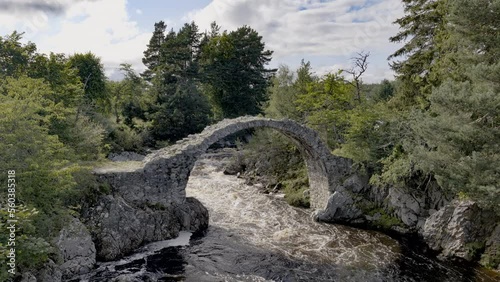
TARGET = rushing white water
x,y
269,222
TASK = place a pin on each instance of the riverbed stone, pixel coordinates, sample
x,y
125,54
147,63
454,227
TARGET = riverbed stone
x,y
356,183
76,248
28,277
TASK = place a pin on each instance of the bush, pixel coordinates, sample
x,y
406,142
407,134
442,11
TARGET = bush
x,y
271,155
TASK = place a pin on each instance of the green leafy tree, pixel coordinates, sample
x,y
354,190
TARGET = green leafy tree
x,y
282,95
91,73
128,97
64,80
326,107
15,57
44,169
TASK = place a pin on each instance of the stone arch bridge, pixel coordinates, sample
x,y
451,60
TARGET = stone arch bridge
x,y
150,189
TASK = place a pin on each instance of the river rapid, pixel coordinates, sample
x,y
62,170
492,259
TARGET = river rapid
x,y
259,237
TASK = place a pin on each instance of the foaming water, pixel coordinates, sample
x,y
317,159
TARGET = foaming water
x,y
269,222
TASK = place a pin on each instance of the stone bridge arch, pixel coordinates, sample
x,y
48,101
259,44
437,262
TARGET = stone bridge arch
x,y
162,176
186,152
147,200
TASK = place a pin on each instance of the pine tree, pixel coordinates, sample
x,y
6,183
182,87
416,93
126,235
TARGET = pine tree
x,y
422,28
234,72
152,55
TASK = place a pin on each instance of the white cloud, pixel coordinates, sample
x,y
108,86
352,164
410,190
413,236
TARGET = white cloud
x,y
90,26
31,16
138,11
312,28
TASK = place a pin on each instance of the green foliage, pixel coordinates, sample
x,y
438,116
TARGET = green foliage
x,y
387,221
384,91
91,73
274,156
121,137
14,56
491,260
41,159
367,137
465,155
234,73
282,95
326,106
31,251
44,171
152,57
63,80
186,112
474,249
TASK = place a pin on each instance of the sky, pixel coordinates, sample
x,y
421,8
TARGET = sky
x,y
328,33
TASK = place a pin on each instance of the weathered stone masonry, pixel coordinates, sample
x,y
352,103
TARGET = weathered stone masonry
x,y
155,187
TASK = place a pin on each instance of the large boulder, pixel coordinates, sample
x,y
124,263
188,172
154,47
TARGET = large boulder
x,y
119,227
76,249
459,229
49,273
340,208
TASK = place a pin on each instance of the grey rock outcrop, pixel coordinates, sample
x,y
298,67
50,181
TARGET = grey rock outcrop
x,y
120,227
28,277
459,229
341,207
76,249
406,206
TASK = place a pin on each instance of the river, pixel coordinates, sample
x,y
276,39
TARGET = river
x,y
259,237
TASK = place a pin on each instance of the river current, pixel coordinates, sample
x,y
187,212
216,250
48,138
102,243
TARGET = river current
x,y
259,237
